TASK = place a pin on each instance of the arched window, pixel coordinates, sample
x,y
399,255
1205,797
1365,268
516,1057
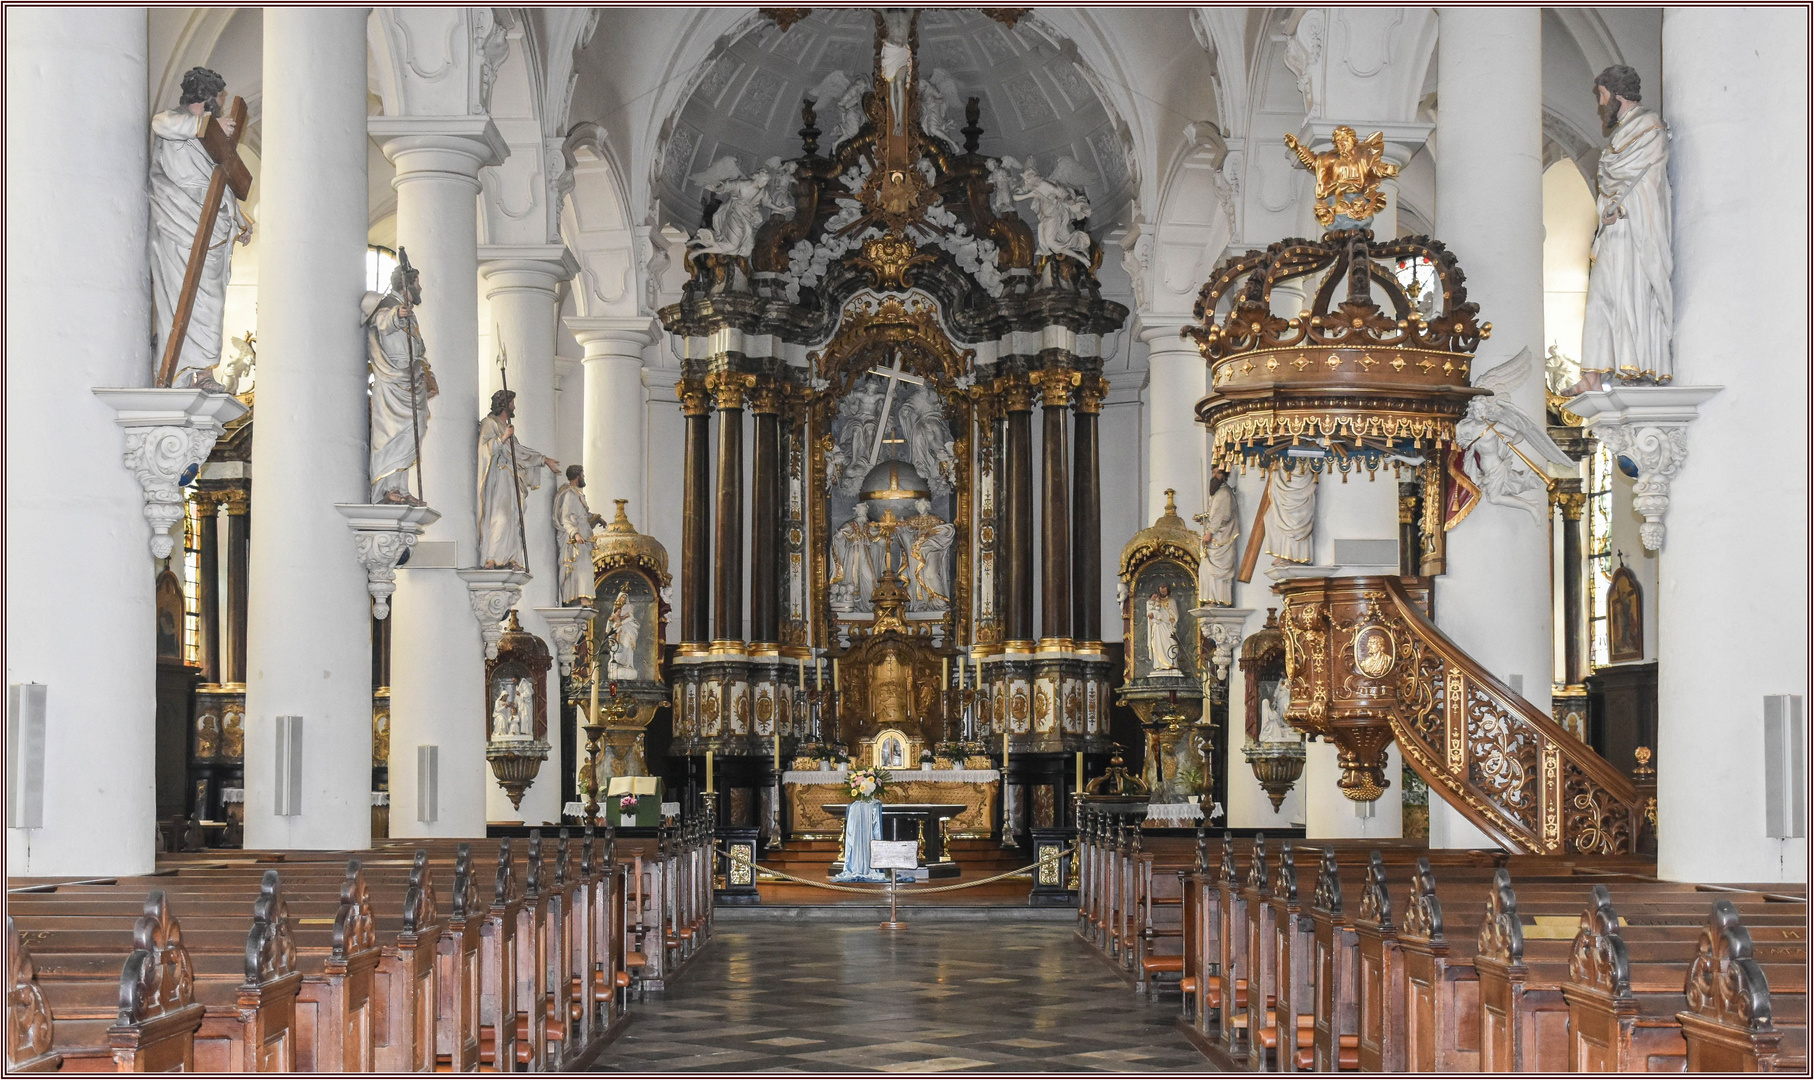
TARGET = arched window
x,y
379,262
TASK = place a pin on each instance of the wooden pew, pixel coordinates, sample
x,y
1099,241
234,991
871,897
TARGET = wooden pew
x,y
1733,1022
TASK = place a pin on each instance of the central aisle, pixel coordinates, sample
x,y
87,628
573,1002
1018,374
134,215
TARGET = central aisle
x,y
941,997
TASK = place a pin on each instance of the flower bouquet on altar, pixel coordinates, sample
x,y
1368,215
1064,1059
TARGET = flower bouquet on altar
x,y
626,810
862,823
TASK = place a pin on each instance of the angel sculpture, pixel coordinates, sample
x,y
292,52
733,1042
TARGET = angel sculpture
x,y
938,93
1490,436
1001,185
1348,177
1059,203
745,203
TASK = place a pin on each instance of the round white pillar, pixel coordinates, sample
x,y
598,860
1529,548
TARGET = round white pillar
x,y
308,639
520,283
1494,600
437,659
615,461
1732,616
75,81
1177,379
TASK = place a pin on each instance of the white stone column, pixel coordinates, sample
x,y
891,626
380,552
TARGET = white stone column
x,y
75,546
1494,601
437,660
308,640
1177,378
520,282
615,465
1732,610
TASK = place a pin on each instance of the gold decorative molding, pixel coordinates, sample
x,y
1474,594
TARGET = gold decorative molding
x,y
694,399
729,388
890,259
1055,386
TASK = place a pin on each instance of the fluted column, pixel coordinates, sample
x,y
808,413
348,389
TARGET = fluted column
x,y
765,516
1017,629
75,81
1055,387
1086,513
521,283
696,519
1732,620
310,439
728,392
437,670
615,458
1494,600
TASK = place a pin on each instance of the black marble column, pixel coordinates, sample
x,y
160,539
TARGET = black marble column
x,y
1055,522
210,587
728,390
1017,609
765,512
239,550
1086,514
696,518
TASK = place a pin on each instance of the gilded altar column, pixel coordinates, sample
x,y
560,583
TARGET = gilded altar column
x,y
1086,513
1055,524
728,392
1568,497
696,518
765,512
1017,402
208,503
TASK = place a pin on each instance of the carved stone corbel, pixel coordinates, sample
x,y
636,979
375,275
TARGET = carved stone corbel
x,y
566,625
493,593
1649,425
383,533
1223,629
169,434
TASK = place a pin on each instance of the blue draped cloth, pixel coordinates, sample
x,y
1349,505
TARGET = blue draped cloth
x,y
862,823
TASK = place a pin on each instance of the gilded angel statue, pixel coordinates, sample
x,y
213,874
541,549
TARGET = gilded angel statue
x,y
1347,177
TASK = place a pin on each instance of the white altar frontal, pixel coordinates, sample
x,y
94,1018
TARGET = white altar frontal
x,y
805,793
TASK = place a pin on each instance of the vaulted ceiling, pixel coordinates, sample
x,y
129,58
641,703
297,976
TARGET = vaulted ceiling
x,y
1037,101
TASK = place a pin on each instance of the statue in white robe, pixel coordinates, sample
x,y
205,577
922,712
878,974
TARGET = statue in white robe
x,y
1162,632
1221,528
402,384
180,173
929,443
501,498
621,631
929,539
1058,205
573,525
855,562
1291,515
1630,321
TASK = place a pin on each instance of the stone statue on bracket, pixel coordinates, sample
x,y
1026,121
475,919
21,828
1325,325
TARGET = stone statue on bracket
x,y
402,384
1059,203
928,538
1221,528
1291,515
1273,728
573,525
502,498
1630,321
1506,453
181,172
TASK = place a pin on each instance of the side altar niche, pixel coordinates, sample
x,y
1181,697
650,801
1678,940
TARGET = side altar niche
x,y
892,324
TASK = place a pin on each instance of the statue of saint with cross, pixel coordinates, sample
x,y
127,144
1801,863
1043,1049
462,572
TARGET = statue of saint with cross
x,y
194,160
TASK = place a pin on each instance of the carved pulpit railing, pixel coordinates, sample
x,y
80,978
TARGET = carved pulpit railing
x,y
1367,667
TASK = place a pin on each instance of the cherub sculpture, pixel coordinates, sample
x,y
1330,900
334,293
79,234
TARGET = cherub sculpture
x,y
1347,177
1507,454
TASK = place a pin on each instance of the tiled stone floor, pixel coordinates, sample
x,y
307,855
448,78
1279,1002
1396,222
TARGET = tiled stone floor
x,y
782,997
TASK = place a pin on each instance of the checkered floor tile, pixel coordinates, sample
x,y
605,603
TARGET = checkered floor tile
x,y
930,999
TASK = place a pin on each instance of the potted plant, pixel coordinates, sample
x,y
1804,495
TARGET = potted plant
x,y
925,761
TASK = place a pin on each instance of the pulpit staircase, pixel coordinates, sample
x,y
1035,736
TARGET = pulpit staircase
x,y
1508,768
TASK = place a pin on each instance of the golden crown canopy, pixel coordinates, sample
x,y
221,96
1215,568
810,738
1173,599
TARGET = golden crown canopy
x,y
1169,537
1362,378
621,545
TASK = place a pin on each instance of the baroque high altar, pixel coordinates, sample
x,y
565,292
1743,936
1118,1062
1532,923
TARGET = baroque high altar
x,y
892,325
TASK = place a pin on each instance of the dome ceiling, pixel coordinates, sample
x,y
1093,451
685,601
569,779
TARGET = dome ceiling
x,y
1036,101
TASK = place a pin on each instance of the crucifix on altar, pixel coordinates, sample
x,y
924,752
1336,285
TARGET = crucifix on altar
x,y
195,161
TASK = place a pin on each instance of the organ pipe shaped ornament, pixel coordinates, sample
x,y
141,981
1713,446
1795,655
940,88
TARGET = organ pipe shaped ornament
x,y
566,625
1647,425
493,593
169,435
383,534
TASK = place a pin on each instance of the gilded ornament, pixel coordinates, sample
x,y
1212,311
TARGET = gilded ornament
x,y
890,259
1348,176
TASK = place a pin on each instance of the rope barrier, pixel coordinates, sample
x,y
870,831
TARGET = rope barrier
x,y
882,890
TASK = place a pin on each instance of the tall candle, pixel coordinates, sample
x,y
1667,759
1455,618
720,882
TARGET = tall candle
x,y
979,672
1080,770
708,772
960,671
592,713
837,686
819,672
1004,753
944,672
800,671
